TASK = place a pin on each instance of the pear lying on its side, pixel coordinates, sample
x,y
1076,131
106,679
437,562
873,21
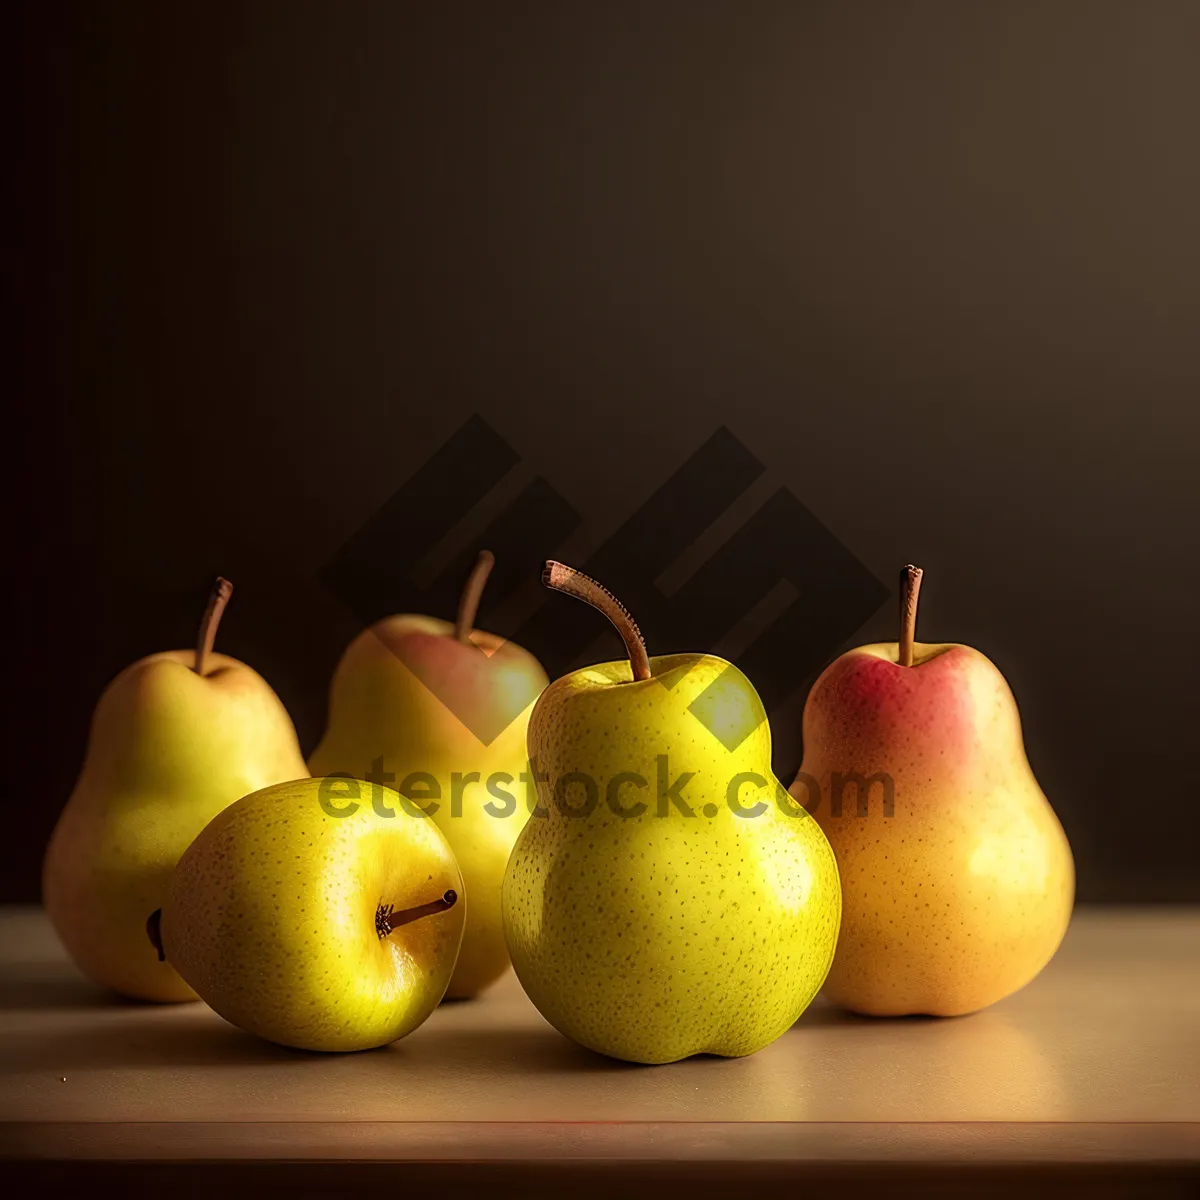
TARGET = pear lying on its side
x,y
305,917
175,738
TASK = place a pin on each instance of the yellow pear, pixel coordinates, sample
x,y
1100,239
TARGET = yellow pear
x,y
174,739
316,917
669,898
439,710
957,878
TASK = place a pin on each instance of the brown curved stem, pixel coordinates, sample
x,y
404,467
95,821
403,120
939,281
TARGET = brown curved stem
x,y
218,598
387,919
910,589
566,579
468,603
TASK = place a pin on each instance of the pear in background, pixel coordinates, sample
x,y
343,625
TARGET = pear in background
x,y
439,711
671,899
175,738
303,915
957,878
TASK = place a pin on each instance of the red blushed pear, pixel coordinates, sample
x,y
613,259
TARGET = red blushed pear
x,y
439,710
957,879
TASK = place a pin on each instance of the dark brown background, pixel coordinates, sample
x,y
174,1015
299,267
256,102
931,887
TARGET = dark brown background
x,y
937,265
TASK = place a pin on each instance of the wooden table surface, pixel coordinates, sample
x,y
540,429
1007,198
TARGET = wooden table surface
x,y
1095,1064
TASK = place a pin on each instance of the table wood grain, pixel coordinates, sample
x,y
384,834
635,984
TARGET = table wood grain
x,y
1095,1067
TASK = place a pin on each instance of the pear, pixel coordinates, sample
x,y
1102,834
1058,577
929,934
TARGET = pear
x,y
175,738
439,710
668,899
313,920
957,878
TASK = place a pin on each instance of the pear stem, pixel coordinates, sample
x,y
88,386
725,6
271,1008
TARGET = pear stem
x,y
468,604
386,919
910,589
575,583
154,933
218,598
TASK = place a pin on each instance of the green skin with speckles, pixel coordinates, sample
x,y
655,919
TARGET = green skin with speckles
x,y
271,916
657,936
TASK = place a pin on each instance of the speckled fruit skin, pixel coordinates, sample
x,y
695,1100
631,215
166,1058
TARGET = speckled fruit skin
x,y
380,709
271,917
652,938
964,894
168,750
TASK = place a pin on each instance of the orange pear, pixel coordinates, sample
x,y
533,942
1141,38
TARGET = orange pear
x,y
957,878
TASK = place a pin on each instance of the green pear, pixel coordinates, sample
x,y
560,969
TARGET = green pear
x,y
312,918
668,899
440,711
175,738
957,877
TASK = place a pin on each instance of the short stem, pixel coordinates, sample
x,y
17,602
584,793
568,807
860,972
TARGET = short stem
x,y
154,932
910,589
566,579
468,604
387,919
217,600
